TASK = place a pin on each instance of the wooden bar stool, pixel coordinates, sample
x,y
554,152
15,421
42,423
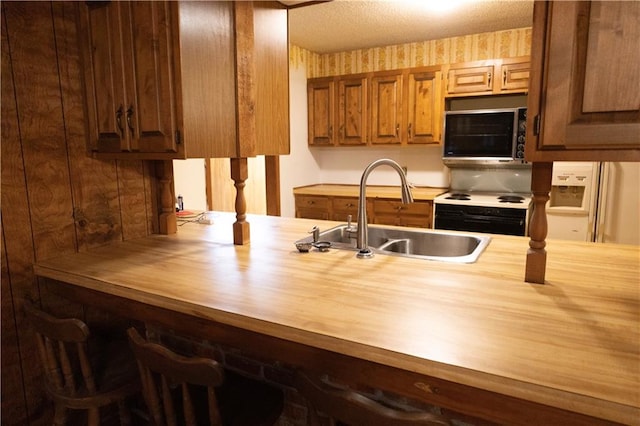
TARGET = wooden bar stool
x,y
197,391
355,409
80,373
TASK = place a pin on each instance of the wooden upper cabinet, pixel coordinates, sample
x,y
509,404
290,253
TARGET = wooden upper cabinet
x,y
584,102
386,107
321,111
160,78
352,110
424,106
470,79
488,77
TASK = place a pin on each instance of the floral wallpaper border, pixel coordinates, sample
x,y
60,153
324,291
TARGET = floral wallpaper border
x,y
499,44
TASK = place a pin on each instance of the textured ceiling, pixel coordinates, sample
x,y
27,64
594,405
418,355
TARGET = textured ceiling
x,y
342,25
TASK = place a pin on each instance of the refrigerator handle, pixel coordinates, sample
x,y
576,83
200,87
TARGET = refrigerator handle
x,y
602,202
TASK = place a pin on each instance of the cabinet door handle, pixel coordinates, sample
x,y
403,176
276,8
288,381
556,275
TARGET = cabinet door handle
x,y
489,79
397,129
129,114
330,131
409,132
119,120
504,77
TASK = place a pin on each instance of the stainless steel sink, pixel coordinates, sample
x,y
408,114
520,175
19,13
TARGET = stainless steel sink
x,y
431,245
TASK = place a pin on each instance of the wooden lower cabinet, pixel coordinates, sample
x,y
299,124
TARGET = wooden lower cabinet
x,y
313,207
393,212
342,207
382,211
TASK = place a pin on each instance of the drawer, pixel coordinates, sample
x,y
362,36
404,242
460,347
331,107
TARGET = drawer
x,y
345,204
312,201
396,206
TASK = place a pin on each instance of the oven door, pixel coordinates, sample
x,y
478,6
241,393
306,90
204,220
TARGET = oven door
x,y
491,220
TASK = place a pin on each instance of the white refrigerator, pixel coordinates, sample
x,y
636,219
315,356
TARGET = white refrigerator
x,y
597,202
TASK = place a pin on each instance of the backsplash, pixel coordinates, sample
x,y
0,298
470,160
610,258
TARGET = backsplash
x,y
499,44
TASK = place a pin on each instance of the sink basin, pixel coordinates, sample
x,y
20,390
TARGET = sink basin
x,y
431,245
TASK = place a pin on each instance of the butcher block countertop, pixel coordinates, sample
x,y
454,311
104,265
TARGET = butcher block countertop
x,y
572,343
420,193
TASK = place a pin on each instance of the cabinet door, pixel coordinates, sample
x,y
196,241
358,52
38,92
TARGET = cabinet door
x,y
126,48
386,108
150,101
515,76
321,101
424,108
585,94
352,111
100,28
342,207
312,207
477,80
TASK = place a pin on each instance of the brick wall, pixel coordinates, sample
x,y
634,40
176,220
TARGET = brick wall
x,y
282,375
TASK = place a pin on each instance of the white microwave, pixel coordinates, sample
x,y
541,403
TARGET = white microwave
x,y
485,137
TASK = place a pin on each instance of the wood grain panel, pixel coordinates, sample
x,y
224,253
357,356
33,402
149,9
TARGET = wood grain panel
x,y
42,128
46,176
208,75
93,183
12,408
24,395
133,207
271,77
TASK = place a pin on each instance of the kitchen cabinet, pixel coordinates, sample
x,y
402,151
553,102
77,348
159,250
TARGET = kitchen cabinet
x,y
166,80
313,207
388,107
584,103
394,212
342,207
321,111
383,211
488,77
352,110
425,106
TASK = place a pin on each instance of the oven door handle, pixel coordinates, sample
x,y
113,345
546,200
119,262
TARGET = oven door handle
x,y
484,219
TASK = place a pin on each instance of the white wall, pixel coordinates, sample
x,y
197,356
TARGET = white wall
x,y
299,167
189,181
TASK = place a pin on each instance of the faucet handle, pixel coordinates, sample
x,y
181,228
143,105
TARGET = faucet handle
x,y
350,228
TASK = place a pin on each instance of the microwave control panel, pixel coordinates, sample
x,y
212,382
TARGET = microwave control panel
x,y
521,132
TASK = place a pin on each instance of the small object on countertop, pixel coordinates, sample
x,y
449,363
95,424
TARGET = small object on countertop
x,y
304,247
322,245
180,203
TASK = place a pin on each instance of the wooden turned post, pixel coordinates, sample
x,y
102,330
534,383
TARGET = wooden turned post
x,y
167,218
537,255
239,174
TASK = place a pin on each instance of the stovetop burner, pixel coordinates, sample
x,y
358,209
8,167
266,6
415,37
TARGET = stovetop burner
x,y
458,196
511,199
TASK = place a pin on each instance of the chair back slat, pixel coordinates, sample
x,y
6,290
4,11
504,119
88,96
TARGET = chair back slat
x,y
67,369
163,370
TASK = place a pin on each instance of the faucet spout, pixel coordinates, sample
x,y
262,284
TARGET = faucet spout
x,y
363,232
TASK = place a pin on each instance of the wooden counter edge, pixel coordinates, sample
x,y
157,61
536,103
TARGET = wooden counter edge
x,y
512,388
